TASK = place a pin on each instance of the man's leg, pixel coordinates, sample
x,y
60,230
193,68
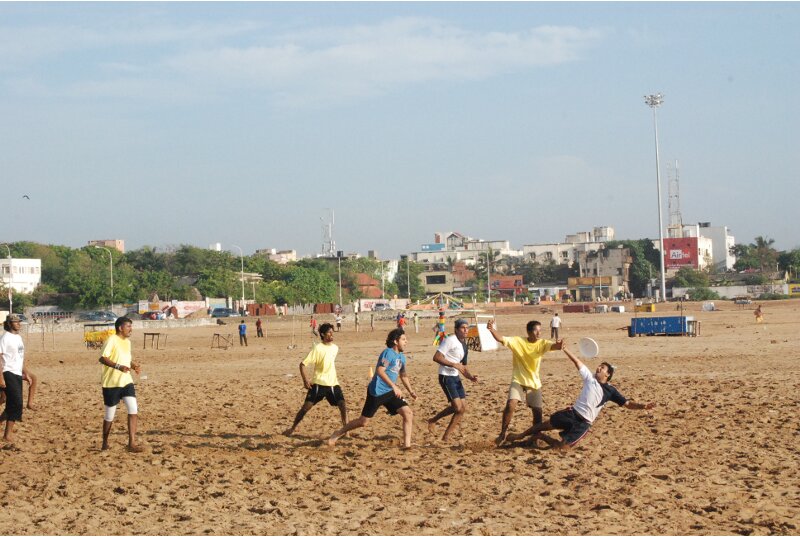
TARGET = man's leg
x,y
308,405
408,421
9,434
106,432
245,340
343,411
446,412
34,383
459,407
508,413
534,430
133,420
355,424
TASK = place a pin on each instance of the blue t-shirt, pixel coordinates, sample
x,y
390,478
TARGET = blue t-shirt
x,y
395,363
242,329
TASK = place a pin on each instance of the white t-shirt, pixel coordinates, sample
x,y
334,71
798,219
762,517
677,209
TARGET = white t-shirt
x,y
594,396
13,350
556,322
453,351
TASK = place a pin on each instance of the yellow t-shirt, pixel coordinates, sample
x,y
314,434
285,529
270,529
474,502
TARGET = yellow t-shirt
x,y
322,357
527,358
117,350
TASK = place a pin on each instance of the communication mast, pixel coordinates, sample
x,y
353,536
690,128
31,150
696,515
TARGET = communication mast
x,y
675,228
328,244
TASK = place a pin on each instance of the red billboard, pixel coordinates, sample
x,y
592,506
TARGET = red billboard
x,y
681,252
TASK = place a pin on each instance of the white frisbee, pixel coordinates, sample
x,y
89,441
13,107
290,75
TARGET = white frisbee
x,y
588,347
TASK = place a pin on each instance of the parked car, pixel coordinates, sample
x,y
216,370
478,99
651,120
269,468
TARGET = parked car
x,y
97,316
224,312
381,307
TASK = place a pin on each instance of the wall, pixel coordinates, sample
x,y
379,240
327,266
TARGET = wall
x,y
733,291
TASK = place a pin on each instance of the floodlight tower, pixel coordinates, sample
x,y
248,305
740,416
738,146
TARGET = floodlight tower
x,y
654,101
328,244
675,229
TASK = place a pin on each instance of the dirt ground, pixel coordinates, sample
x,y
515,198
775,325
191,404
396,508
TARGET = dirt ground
x,y
718,455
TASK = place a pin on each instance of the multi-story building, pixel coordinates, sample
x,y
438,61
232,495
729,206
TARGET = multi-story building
x,y
721,243
603,273
567,252
117,244
22,275
279,256
451,247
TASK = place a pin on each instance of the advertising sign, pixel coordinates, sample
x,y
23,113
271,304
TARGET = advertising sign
x,y
680,253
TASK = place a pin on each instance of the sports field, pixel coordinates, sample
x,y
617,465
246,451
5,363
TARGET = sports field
x,y
718,455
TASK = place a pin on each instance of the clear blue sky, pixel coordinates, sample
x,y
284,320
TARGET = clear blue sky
x,y
164,124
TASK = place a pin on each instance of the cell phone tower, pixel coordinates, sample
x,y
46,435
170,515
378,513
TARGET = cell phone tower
x,y
328,244
675,229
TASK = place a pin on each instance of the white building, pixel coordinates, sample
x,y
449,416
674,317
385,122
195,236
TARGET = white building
x,y
23,275
116,244
717,245
567,252
458,247
279,256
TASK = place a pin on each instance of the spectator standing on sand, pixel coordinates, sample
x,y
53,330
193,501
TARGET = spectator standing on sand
x,y
12,356
259,328
555,324
242,334
338,322
313,324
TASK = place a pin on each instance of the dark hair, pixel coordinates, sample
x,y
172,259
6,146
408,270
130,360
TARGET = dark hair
x,y
7,325
325,328
531,325
393,336
610,369
120,321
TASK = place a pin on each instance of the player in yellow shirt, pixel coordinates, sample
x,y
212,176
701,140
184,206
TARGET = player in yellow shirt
x,y
118,382
324,384
526,385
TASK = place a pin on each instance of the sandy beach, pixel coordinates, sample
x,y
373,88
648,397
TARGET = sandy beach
x,y
718,455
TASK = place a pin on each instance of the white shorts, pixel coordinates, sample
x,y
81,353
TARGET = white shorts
x,y
531,396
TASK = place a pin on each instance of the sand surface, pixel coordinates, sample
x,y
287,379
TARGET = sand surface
x,y
719,455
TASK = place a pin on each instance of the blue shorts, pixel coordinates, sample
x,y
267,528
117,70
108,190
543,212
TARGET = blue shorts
x,y
452,387
571,425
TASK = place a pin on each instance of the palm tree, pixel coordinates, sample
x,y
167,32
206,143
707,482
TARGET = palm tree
x,y
766,255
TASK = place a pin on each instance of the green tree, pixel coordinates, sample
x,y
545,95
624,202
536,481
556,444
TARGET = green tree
x,y
790,261
687,277
645,263
702,293
409,271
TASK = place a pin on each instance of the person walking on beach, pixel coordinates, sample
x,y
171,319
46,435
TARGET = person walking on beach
x,y
452,359
372,322
416,323
759,315
12,356
383,390
574,423
242,334
324,384
118,382
526,385
338,322
555,324
357,322
259,328
313,324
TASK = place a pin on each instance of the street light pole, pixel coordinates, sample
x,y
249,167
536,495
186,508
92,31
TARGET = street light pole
x,y
111,267
341,305
654,101
241,256
488,279
10,280
408,277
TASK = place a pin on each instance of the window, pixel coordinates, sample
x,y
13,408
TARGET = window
x,y
436,280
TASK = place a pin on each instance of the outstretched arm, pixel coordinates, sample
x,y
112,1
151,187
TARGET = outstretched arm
x,y
639,406
572,357
557,346
495,335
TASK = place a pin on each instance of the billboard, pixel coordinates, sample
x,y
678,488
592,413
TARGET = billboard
x,y
681,252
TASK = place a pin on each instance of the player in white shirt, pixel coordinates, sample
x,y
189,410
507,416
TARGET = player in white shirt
x,y
452,359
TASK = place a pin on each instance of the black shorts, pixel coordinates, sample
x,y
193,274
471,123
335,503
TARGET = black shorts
x,y
317,393
452,387
13,411
388,400
572,427
112,396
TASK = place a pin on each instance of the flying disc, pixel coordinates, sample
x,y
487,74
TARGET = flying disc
x,y
588,347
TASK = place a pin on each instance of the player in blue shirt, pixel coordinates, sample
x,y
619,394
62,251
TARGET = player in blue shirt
x,y
383,390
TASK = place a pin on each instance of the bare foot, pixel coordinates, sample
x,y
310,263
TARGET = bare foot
x,y
288,432
33,407
501,439
432,427
104,447
135,449
512,437
331,442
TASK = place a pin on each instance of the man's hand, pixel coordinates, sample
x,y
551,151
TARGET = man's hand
x,y
398,392
137,367
306,384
